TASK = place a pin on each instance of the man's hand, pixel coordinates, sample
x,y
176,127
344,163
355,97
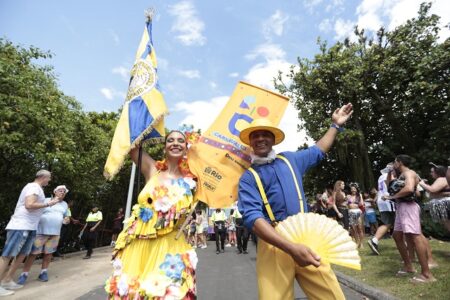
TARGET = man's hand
x,y
92,229
341,115
304,256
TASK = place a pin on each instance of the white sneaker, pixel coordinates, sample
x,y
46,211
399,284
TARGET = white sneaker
x,y
228,245
5,292
11,285
204,247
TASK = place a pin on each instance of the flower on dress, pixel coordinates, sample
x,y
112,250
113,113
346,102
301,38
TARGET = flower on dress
x,y
163,204
117,266
193,258
173,266
133,286
177,191
191,182
122,285
145,214
111,285
155,285
175,292
132,228
184,186
160,192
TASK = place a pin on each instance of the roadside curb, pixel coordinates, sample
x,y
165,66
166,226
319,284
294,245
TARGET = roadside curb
x,y
363,288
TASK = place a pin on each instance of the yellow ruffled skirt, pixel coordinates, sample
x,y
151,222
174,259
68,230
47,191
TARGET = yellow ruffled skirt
x,y
154,269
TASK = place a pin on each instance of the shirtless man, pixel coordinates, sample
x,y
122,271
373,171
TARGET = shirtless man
x,y
407,222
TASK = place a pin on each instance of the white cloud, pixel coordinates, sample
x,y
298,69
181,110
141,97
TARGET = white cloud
x,y
343,28
162,63
274,60
275,24
195,115
123,72
373,14
263,74
311,4
335,6
191,74
267,51
111,93
187,25
325,25
234,74
115,37
212,85
294,138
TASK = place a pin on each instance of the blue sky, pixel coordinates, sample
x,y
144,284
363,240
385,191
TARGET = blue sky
x,y
203,47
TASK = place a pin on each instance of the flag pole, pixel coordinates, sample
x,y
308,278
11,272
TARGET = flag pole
x,y
138,188
130,191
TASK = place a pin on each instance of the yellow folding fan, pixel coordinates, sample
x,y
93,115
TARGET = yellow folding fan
x,y
324,236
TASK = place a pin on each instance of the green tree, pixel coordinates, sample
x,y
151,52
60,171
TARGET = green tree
x,y
40,127
398,82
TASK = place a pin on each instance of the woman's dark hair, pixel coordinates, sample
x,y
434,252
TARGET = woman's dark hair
x,y
440,170
172,131
406,160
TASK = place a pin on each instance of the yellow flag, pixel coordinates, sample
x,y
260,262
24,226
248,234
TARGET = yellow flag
x,y
219,158
143,112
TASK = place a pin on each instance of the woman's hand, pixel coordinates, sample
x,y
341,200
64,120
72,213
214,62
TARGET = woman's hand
x,y
340,215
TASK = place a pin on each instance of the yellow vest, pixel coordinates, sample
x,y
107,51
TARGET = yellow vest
x,y
237,214
218,216
94,217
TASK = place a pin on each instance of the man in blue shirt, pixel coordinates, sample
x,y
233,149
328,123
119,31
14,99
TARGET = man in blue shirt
x,y
279,261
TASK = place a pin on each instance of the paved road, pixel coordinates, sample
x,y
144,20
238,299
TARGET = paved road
x,y
226,276
220,277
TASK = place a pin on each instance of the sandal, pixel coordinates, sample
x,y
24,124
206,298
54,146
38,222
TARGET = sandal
x,y
422,279
433,266
402,273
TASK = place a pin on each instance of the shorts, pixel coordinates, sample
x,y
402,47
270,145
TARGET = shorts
x,y
18,242
331,213
199,229
371,217
407,218
387,217
46,244
440,209
354,214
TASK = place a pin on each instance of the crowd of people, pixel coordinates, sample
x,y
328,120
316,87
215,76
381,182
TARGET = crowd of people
x,y
226,227
396,201
148,246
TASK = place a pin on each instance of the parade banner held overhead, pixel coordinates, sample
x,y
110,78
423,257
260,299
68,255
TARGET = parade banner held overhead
x,y
144,109
219,158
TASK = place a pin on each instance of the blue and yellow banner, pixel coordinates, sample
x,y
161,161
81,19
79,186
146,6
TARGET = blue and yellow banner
x,y
144,109
219,158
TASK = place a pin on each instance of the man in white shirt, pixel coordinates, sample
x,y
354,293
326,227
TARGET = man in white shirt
x,y
386,208
47,237
21,229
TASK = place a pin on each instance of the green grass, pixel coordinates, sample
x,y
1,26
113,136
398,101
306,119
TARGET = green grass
x,y
379,272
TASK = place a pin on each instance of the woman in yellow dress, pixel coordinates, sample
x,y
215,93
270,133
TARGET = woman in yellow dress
x,y
149,263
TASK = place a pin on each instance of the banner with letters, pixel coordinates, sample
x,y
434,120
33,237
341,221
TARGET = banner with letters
x,y
219,158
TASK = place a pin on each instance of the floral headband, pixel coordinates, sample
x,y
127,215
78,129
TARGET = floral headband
x,y
192,137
